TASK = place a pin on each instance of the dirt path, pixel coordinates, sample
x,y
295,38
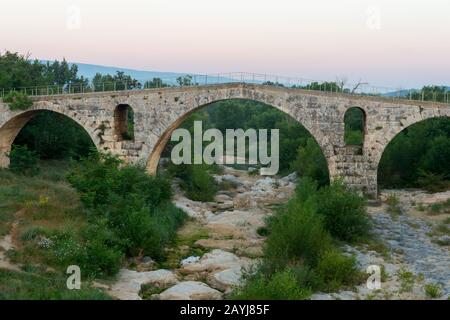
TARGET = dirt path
x,y
8,242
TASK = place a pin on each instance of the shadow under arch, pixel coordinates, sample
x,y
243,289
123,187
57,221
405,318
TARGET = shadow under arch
x,y
155,155
404,162
11,128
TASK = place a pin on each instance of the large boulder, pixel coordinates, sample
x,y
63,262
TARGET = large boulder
x,y
216,260
129,282
189,290
225,280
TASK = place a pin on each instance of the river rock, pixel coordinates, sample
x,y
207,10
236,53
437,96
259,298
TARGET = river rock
x,y
226,279
129,282
190,290
189,260
216,260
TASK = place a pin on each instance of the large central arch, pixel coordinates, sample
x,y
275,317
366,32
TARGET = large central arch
x,y
155,155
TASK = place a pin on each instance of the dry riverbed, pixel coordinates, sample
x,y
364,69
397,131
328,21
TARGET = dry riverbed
x,y
220,242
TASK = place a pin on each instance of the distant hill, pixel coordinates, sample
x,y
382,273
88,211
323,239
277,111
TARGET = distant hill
x,y
404,93
89,71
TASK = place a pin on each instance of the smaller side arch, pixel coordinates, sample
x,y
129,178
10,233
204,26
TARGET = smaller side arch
x,y
124,122
355,128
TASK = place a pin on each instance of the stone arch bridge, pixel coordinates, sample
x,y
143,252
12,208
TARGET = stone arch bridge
x,y
157,112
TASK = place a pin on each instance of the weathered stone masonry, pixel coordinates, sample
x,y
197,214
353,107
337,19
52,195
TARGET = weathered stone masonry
x,y
157,112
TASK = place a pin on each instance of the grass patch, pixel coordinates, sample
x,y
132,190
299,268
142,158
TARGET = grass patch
x,y
147,290
433,290
393,205
28,286
281,285
407,279
183,245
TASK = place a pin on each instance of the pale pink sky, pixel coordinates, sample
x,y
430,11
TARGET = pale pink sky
x,y
383,42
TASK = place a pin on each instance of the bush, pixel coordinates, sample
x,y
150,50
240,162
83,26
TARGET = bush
x,y
282,285
134,208
18,101
101,177
308,277
431,182
296,233
97,253
197,182
300,239
144,230
23,161
310,162
343,211
337,270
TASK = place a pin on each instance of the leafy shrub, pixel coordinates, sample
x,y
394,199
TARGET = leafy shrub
x,y
134,208
300,241
308,277
95,248
100,177
23,161
97,254
296,233
102,255
343,211
196,181
337,270
18,100
431,182
281,285
310,162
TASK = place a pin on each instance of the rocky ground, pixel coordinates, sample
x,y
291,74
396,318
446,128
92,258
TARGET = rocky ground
x,y
228,243
413,256
220,242
416,259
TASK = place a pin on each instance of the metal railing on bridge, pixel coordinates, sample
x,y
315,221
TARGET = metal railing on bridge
x,y
337,86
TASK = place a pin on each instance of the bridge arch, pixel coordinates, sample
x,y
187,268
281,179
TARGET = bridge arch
x,y
124,122
11,128
409,122
164,137
355,126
